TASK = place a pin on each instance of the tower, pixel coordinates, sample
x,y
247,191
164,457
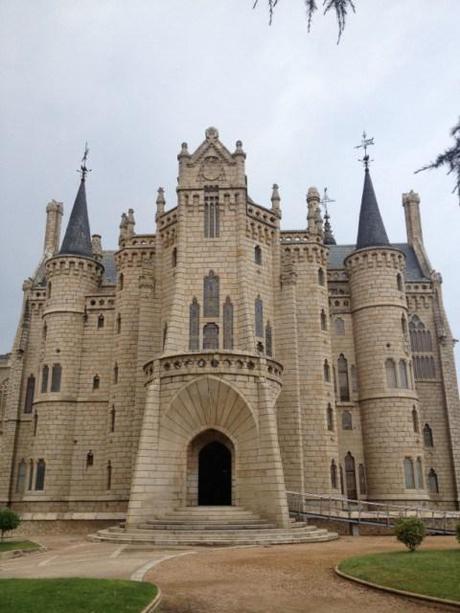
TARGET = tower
x,y
71,275
392,448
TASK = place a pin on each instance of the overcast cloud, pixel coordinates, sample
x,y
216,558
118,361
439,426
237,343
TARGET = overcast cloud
x,y
137,78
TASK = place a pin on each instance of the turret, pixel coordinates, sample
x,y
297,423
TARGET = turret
x,y
387,396
54,212
71,275
411,204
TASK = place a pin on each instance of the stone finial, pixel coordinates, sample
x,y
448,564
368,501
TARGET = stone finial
x,y
131,222
313,204
161,202
54,213
212,133
183,152
411,197
123,227
276,199
96,245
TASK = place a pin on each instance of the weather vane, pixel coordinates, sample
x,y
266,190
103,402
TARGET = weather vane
x,y
325,201
365,143
83,169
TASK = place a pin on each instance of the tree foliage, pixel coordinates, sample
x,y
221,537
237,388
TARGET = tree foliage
x,y
450,159
9,520
341,8
410,531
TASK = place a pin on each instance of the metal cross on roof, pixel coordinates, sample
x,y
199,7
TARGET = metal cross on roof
x,y
365,143
83,169
325,201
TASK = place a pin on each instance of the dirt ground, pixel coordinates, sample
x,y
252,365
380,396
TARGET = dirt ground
x,y
281,579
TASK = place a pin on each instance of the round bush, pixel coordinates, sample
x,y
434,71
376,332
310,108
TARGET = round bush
x,y
9,520
410,531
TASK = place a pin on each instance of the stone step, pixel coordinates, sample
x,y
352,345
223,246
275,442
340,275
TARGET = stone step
x,y
206,526
268,538
205,533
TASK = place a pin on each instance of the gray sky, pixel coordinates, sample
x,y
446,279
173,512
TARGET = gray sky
x,y
137,78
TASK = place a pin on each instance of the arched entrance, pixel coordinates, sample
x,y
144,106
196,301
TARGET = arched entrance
x,y
215,475
210,469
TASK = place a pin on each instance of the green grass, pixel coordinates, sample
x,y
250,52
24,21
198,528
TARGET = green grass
x,y
74,596
10,545
429,572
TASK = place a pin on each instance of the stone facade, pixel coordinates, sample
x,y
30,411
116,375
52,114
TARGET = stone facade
x,y
314,367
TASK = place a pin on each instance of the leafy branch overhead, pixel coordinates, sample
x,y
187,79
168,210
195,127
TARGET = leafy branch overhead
x,y
340,7
450,159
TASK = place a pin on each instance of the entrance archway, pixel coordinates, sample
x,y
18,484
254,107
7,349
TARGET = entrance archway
x,y
211,469
215,475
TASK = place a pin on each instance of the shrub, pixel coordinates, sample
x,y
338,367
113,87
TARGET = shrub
x,y
457,532
410,531
9,520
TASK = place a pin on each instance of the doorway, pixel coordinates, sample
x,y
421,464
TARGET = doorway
x,y
215,475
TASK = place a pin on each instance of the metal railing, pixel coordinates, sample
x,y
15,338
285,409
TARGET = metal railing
x,y
357,512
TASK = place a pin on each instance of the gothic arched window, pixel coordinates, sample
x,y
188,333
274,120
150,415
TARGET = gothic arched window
x,y
40,475
409,476
323,320
100,321
228,324
350,476
268,339
56,375
31,475
259,316
427,436
390,368
21,477
327,371
35,423
118,323
321,277
115,373
399,282
339,326
330,418
419,474
211,336
45,374
109,475
174,257
342,369
96,382
211,213
415,423
347,420
433,483
211,295
113,415
89,459
403,378
121,281
362,479
404,326
334,474
30,392
258,255
194,325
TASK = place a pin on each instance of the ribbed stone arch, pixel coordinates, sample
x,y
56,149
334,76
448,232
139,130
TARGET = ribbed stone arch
x,y
209,402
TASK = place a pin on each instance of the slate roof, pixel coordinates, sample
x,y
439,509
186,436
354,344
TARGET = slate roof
x,y
413,272
371,231
77,239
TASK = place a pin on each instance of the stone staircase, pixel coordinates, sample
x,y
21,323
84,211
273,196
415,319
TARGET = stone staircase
x,y
213,526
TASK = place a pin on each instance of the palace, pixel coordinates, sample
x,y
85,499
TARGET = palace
x,y
224,361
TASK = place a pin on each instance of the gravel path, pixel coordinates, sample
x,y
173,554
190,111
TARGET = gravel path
x,y
281,579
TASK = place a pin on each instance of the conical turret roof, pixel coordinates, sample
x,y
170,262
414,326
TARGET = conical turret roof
x,y
77,239
371,231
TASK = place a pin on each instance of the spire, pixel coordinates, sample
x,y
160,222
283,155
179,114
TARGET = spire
x,y
328,234
77,239
275,199
371,231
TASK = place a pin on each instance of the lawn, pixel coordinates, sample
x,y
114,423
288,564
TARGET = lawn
x,y
74,595
430,572
10,545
